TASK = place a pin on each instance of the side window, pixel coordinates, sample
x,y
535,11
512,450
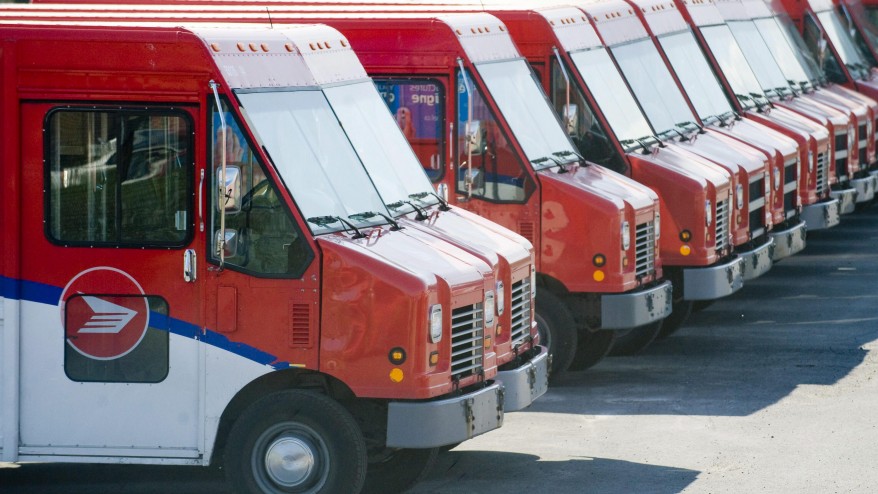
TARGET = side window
x,y
584,128
419,107
119,178
487,156
260,236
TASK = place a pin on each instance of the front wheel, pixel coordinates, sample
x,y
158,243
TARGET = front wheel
x,y
593,347
636,340
557,330
394,471
296,441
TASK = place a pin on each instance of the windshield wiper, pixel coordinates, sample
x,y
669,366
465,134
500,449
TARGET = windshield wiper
x,y
567,152
729,114
443,205
683,137
554,160
421,216
365,215
323,221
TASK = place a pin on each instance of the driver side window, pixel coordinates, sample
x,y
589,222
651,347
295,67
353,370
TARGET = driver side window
x,y
260,235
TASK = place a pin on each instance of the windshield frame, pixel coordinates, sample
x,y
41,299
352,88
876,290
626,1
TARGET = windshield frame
x,y
290,172
641,137
525,130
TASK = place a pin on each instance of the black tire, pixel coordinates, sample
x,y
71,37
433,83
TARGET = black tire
x,y
593,347
316,445
636,340
397,470
680,313
557,330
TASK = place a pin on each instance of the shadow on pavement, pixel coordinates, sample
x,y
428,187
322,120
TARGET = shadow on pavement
x,y
66,478
803,323
492,472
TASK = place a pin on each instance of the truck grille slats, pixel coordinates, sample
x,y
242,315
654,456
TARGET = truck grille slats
x,y
644,249
791,173
757,206
521,311
467,340
722,224
841,156
822,173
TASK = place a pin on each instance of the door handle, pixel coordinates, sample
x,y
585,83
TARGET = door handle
x,y
189,265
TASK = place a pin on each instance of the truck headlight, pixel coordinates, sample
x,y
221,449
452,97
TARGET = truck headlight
x,y
489,308
626,235
501,298
739,196
533,282
776,178
436,323
852,138
708,212
658,225
812,161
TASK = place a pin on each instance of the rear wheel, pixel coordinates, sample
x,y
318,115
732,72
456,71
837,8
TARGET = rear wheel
x,y
593,347
295,441
557,330
395,470
636,340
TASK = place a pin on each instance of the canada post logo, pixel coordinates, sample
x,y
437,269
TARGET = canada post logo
x,y
105,313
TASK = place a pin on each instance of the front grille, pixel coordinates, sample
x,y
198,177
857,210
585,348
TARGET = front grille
x,y
791,174
644,249
521,311
467,340
722,224
861,133
757,206
841,156
822,173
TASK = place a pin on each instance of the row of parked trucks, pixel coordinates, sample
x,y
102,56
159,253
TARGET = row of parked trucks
x,y
317,242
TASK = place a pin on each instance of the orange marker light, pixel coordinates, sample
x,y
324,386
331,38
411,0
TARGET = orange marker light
x,y
598,275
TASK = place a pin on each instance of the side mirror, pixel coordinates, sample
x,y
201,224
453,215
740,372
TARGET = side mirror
x,y
476,137
228,241
442,191
571,119
476,177
229,194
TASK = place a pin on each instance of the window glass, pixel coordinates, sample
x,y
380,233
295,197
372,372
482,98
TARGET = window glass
x,y
260,235
584,128
696,75
120,178
494,171
418,108
136,354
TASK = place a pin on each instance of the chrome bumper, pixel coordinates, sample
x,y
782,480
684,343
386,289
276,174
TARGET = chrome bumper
x,y
430,424
847,199
865,188
527,382
757,261
822,215
788,242
713,282
633,309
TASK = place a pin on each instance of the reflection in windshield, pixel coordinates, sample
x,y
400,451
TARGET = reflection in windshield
x,y
695,74
791,62
313,156
841,40
528,112
758,54
612,96
381,146
653,85
733,64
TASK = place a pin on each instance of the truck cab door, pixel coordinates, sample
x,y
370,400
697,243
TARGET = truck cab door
x,y
111,312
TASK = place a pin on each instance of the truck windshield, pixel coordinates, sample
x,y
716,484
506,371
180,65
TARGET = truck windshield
x,y
314,158
654,87
841,40
759,56
695,74
613,97
528,112
734,65
791,62
800,47
866,24
381,146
